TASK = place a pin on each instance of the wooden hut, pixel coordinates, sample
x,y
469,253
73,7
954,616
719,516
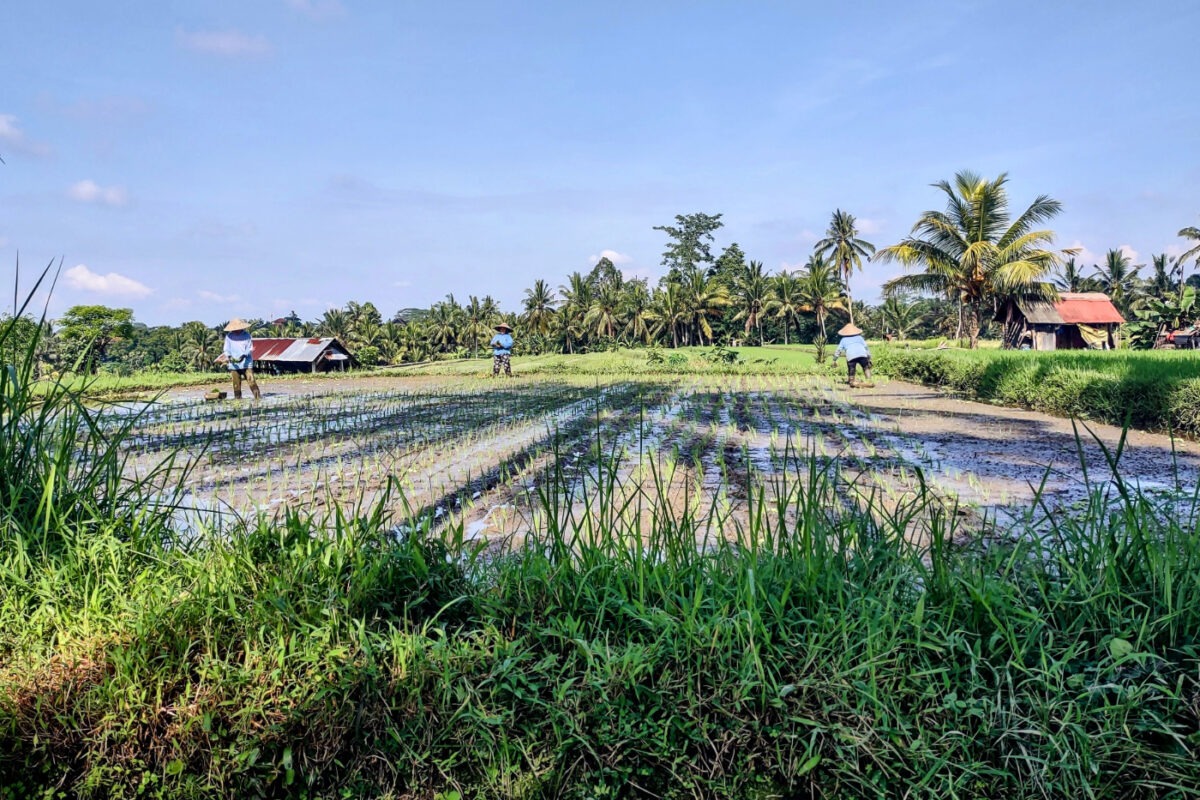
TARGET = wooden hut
x,y
1076,321
318,354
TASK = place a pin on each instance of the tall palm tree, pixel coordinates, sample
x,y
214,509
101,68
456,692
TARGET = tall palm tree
x,y
201,345
1193,233
842,245
443,324
1118,277
1069,277
901,315
820,291
669,311
477,319
602,315
539,308
577,300
336,323
788,300
974,252
753,292
637,310
704,298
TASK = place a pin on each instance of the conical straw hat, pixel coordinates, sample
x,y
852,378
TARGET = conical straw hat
x,y
237,324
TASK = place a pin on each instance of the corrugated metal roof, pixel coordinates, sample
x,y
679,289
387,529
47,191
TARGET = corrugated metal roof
x,y
301,350
1038,312
1073,308
1088,308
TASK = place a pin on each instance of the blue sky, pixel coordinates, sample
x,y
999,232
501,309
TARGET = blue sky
x,y
205,160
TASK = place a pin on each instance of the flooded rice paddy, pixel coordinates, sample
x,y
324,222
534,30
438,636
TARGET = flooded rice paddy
x,y
499,460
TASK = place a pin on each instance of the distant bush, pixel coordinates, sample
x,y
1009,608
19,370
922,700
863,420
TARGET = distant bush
x,y
1152,391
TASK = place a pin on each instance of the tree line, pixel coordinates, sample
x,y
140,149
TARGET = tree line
x,y
962,263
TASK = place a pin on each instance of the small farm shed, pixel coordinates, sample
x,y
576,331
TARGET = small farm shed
x,y
1077,321
318,354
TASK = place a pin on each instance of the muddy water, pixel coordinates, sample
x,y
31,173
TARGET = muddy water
x,y
502,460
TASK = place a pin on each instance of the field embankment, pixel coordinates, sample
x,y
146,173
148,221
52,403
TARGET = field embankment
x,y
1157,391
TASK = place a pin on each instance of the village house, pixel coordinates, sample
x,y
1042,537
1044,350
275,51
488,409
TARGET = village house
x,y
1076,321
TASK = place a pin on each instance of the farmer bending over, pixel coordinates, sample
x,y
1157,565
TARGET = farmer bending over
x,y
502,344
854,347
239,357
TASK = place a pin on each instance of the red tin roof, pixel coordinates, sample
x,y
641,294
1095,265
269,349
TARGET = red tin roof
x,y
1088,308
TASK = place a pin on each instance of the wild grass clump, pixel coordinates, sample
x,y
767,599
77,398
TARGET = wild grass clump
x,y
1149,391
627,649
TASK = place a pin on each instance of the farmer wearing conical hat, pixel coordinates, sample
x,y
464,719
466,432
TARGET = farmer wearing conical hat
x,y
238,356
502,344
854,347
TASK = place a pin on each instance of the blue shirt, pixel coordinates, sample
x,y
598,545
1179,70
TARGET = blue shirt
x,y
239,346
502,344
852,347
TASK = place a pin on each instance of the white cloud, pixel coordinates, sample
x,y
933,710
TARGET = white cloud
x,y
611,255
869,226
218,298
82,278
87,191
319,9
14,138
1130,253
1085,257
231,43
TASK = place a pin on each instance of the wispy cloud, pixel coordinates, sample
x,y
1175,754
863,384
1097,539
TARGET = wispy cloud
x,y
229,44
218,298
81,278
611,255
87,191
318,9
16,139
869,226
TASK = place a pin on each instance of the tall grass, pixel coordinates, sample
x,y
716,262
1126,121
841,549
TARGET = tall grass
x,y
1148,390
630,650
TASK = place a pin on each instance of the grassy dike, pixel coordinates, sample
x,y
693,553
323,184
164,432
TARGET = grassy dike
x,y
1157,391
817,656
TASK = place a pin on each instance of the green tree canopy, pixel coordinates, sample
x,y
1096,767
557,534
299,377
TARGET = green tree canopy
x,y
91,330
975,252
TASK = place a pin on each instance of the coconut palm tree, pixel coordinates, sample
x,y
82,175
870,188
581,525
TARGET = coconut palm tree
x,y
443,323
602,315
974,252
1118,277
669,310
820,291
1193,233
842,245
788,301
637,311
753,293
901,315
577,300
1069,277
201,345
335,322
704,298
539,308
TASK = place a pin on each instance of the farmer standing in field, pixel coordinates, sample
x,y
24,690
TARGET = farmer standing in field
x,y
238,355
854,347
502,344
